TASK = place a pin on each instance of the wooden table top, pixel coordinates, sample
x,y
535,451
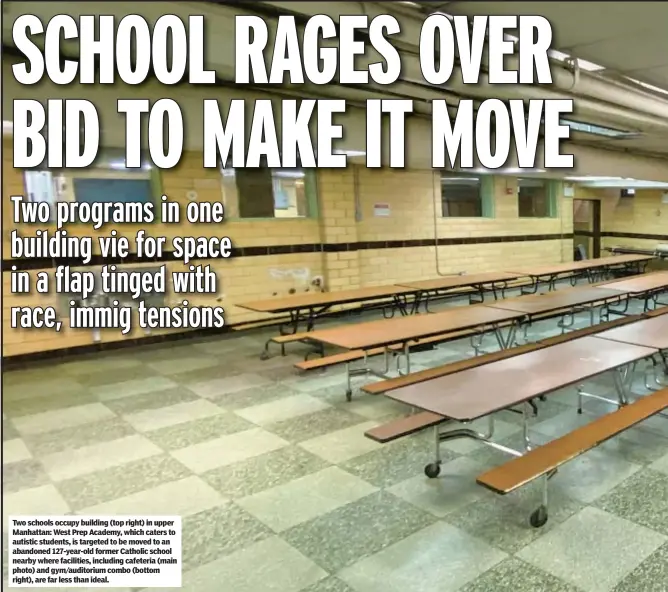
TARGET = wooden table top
x,y
570,266
640,283
652,332
477,392
315,299
402,329
462,281
556,300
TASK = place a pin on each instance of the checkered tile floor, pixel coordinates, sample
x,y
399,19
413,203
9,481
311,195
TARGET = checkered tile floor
x,y
280,491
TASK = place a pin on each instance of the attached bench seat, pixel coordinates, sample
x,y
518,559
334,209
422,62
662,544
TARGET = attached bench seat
x,y
391,384
398,428
569,336
358,354
657,312
282,340
404,426
545,460
334,359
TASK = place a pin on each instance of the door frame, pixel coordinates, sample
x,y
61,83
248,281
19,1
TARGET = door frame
x,y
595,232
596,228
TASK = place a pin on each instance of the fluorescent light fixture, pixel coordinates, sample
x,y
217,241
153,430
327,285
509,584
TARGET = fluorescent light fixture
x,y
351,152
583,64
120,166
287,174
589,66
649,86
592,178
459,179
598,130
518,171
508,171
621,182
283,174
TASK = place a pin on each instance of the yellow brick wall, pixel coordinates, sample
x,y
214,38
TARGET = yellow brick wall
x,y
643,214
344,196
414,197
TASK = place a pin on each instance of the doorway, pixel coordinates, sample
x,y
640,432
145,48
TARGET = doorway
x,y
587,228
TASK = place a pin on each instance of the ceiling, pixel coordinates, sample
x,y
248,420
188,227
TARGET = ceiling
x,y
627,39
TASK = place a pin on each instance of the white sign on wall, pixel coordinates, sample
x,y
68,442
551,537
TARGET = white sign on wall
x,y
381,210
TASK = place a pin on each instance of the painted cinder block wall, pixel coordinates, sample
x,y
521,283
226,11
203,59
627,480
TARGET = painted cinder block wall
x,y
358,248
641,221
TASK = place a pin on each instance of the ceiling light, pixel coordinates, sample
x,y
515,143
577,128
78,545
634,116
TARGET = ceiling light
x,y
614,182
350,152
509,171
583,64
520,171
599,130
449,16
649,86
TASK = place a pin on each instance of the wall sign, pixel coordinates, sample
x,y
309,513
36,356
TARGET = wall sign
x,y
381,210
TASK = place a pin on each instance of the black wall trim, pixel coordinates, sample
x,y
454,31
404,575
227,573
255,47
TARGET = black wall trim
x,y
24,359
657,237
49,263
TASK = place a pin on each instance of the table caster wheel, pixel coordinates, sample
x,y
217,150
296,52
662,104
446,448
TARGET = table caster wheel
x,y
349,395
264,355
432,470
539,517
579,411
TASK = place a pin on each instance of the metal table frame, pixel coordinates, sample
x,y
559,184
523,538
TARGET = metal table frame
x,y
503,331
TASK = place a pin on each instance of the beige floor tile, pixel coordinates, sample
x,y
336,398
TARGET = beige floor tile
x,y
155,419
62,418
305,498
178,498
223,386
228,449
268,566
131,388
81,461
593,549
44,500
14,450
439,557
342,445
453,489
282,409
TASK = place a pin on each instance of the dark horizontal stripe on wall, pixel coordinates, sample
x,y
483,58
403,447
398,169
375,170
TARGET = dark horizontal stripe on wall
x,y
49,263
657,237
